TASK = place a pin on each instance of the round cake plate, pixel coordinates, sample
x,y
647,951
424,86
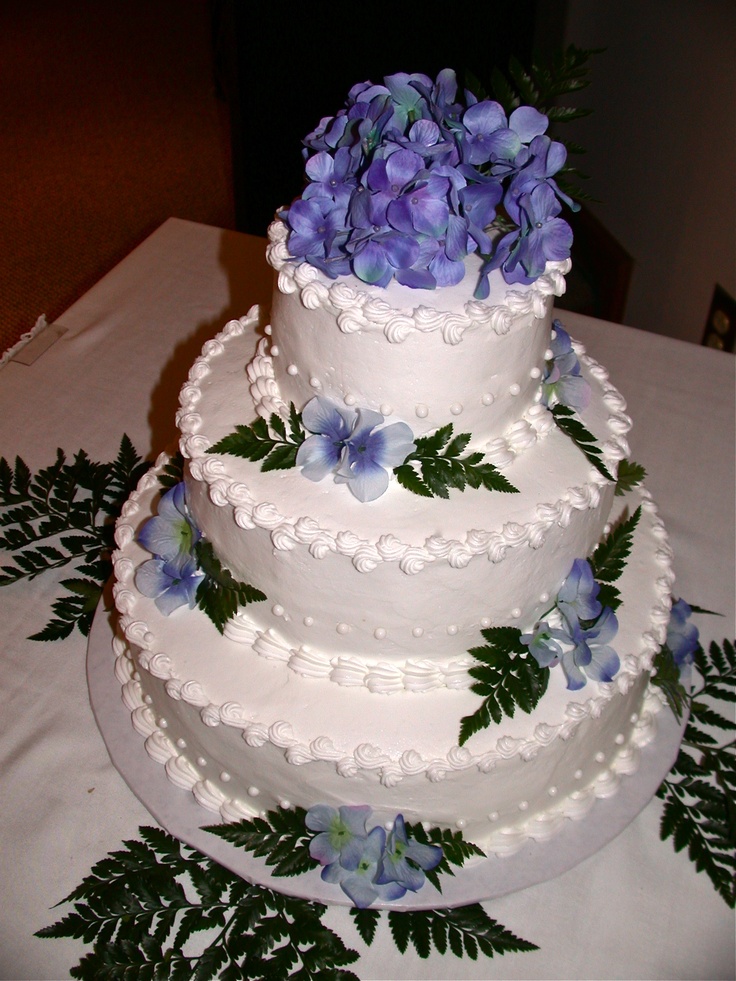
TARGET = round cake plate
x,y
179,813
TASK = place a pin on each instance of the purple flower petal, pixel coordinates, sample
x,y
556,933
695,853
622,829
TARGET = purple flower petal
x,y
577,598
321,416
318,456
528,123
682,636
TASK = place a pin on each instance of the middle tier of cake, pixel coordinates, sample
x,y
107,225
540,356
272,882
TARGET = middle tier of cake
x,y
404,582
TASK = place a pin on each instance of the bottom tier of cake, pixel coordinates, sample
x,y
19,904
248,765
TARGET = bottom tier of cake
x,y
246,734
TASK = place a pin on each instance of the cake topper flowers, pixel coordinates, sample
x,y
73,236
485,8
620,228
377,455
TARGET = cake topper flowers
x,y
410,178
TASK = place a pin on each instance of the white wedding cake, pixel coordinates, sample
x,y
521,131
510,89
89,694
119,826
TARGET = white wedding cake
x,y
383,467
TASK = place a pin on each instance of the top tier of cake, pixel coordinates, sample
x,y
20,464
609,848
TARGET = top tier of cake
x,y
420,356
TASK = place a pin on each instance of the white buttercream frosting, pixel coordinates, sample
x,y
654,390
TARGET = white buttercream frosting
x,y
348,684
619,721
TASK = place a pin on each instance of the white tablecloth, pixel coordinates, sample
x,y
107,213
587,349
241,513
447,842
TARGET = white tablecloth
x,y
635,910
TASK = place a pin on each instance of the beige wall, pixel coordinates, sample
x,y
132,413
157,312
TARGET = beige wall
x,y
662,149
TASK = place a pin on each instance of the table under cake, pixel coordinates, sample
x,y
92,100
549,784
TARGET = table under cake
x,y
636,909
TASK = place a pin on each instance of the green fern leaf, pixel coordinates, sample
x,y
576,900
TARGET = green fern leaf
x,y
281,837
268,442
699,812
441,467
366,923
505,677
629,475
581,437
609,559
220,595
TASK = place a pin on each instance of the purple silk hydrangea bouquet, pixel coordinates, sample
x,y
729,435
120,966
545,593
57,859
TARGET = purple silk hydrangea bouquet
x,y
410,178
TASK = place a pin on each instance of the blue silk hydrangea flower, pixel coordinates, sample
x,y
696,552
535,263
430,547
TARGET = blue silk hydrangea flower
x,y
577,599
563,382
367,865
340,833
682,636
359,880
170,583
171,577
349,444
545,643
406,180
171,532
404,860
591,653
579,639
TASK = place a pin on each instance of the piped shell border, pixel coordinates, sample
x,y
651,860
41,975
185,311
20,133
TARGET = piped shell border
x,y
357,310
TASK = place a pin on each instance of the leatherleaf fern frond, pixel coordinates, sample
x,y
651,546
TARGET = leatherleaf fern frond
x,y
270,443
699,793
507,677
440,466
63,515
158,908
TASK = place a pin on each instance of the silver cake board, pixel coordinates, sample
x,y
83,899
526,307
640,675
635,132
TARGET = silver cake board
x,y
178,812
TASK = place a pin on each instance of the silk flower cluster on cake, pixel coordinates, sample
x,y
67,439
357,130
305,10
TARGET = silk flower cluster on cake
x,y
409,179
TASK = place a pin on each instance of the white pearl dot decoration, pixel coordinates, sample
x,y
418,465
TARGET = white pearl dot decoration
x,y
515,613
422,411
460,823
634,718
417,632
147,699
487,399
607,529
253,791
452,629
286,804
385,409
493,816
619,740
201,761
181,743
163,724
548,354
544,598
148,638
225,776
277,610
485,622
274,350
349,400
426,825
308,621
600,757
292,370
315,382
267,329
535,373
343,628
379,633
136,676
456,408
578,774
523,805
552,791
514,389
